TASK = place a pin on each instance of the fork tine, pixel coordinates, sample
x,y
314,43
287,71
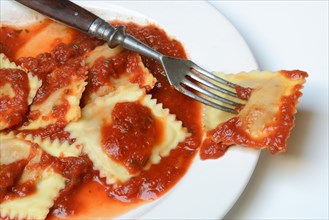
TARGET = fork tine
x,y
211,85
208,93
212,76
205,101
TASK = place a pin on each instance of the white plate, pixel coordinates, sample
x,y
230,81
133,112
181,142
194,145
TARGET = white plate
x,y
210,188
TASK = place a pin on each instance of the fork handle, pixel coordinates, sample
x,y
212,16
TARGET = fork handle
x,y
63,11
77,17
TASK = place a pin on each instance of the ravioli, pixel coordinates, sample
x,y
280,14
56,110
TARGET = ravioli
x,y
111,68
13,149
17,90
61,106
89,132
56,147
102,51
37,205
46,181
267,117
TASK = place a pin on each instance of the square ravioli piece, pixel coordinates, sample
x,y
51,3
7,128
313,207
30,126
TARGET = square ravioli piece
x,y
17,90
266,119
110,68
28,189
126,132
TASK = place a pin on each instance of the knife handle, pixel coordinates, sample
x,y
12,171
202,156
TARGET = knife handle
x,y
64,11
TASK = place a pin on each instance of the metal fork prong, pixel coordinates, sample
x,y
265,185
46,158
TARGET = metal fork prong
x,y
212,76
205,101
208,93
211,85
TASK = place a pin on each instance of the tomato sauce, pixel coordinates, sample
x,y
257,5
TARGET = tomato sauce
x,y
130,137
86,190
243,93
21,190
126,62
98,76
56,69
211,149
14,106
11,39
9,173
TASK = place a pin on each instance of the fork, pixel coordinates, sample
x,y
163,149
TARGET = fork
x,y
178,71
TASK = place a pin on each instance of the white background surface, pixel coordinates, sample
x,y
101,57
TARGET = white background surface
x,y
289,35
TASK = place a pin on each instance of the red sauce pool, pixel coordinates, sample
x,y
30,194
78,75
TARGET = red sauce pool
x,y
88,191
130,138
